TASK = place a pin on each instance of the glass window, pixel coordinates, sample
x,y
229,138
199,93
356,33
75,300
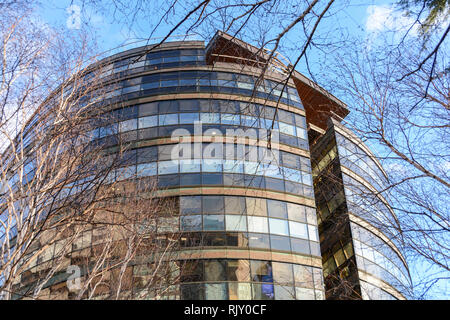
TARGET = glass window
x,y
256,206
298,230
213,222
237,239
233,166
257,224
259,240
213,204
278,226
236,223
284,292
191,223
215,270
300,246
189,166
127,125
287,128
235,205
146,169
212,178
191,205
212,165
303,276
277,209
261,271
192,292
189,105
304,294
301,133
306,178
239,291
168,119
282,273
125,173
169,83
167,167
250,121
311,215
150,85
147,122
188,117
233,119
296,212
312,232
238,270
216,291
188,82
210,117
165,152
263,291
280,243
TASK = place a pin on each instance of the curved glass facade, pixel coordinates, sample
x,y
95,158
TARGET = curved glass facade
x,y
365,255
257,244
232,152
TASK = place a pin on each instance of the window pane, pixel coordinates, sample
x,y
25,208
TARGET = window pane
x,y
284,292
146,122
263,291
231,119
282,273
239,291
187,166
192,291
237,239
259,240
188,117
261,271
304,294
191,223
210,117
286,128
278,226
257,224
300,246
298,230
146,169
256,207
238,270
168,119
280,243
277,209
128,125
236,223
296,212
213,222
191,205
215,270
312,232
216,291
303,276
213,204
235,205
167,167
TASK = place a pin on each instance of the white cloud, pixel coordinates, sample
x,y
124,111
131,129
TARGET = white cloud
x,y
386,18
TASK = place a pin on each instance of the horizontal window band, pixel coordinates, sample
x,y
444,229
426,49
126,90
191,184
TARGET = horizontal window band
x,y
203,95
236,191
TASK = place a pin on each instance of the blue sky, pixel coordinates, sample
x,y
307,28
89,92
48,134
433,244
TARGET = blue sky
x,y
359,18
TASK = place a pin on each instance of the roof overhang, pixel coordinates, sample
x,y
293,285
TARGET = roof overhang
x,y
319,104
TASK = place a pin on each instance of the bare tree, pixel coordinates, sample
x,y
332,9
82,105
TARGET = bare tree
x,y
61,187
